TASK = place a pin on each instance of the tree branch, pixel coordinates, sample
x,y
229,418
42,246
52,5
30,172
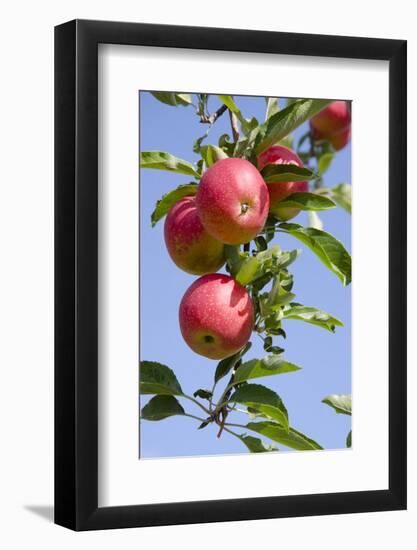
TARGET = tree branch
x,y
211,119
234,124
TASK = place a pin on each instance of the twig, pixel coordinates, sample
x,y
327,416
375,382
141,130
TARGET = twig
x,y
195,417
211,119
234,124
196,402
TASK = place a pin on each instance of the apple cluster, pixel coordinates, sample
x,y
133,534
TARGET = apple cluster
x,y
230,208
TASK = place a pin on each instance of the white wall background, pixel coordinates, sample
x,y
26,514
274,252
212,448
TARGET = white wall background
x,y
26,274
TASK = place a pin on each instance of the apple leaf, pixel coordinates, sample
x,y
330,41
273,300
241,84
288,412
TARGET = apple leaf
x,y
248,270
248,125
164,204
342,404
314,220
203,394
157,378
272,107
307,201
161,160
349,439
173,99
313,316
197,144
328,249
256,445
284,122
160,407
257,368
291,438
342,194
276,173
324,162
226,365
263,400
211,154
230,104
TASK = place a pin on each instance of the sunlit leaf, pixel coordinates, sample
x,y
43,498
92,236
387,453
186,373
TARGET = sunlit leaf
x,y
284,122
256,445
307,201
173,99
263,400
330,251
161,160
342,194
342,404
275,173
313,316
291,438
164,205
268,366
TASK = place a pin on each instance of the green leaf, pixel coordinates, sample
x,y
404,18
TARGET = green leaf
x,y
314,220
248,125
161,160
342,404
226,144
203,394
342,194
199,141
313,316
263,400
226,365
287,120
233,258
257,368
160,407
324,162
307,201
349,439
211,154
291,438
173,99
164,204
275,173
157,378
330,251
256,445
248,270
230,104
272,107
261,243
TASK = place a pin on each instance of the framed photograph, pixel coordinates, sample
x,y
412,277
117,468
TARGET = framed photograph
x,y
230,252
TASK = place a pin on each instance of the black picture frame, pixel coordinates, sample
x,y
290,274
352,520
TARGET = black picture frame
x,y
76,271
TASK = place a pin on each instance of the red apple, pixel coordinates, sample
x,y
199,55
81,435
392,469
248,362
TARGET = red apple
x,y
340,139
191,248
333,124
216,316
278,154
232,201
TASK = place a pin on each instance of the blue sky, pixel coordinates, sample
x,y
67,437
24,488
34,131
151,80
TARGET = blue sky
x,y
325,358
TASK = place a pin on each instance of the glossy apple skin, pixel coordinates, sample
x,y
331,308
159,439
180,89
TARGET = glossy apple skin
x,y
333,123
216,316
189,245
232,201
278,154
